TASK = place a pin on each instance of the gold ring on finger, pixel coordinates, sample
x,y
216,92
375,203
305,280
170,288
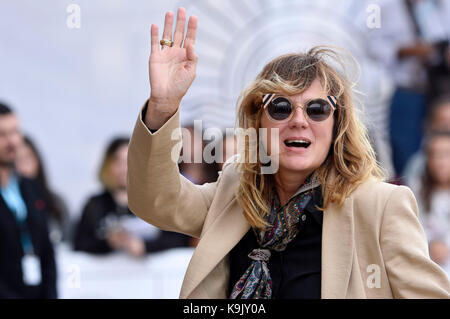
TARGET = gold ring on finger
x,y
167,42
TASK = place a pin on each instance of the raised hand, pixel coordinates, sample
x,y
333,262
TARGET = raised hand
x,y
171,69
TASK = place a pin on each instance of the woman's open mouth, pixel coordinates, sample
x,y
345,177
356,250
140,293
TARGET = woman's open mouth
x,y
297,144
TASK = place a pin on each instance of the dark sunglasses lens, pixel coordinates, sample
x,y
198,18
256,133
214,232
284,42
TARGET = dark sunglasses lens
x,y
279,108
318,110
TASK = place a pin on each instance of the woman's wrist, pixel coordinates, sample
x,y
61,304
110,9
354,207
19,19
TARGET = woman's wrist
x,y
159,112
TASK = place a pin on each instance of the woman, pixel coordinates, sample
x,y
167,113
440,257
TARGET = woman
x,y
438,119
322,225
434,195
29,164
107,225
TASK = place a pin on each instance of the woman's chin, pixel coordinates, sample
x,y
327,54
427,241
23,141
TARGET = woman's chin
x,y
296,165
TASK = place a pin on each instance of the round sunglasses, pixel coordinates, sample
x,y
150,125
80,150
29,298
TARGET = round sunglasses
x,y
280,109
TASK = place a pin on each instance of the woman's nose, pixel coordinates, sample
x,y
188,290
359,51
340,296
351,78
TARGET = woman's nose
x,y
298,118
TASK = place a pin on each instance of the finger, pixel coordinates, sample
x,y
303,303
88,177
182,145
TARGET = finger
x,y
190,53
191,31
168,22
179,28
154,39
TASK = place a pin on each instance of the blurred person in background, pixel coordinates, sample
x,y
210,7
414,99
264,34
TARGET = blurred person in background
x,y
106,224
197,171
27,264
412,43
433,194
29,164
189,168
438,119
440,114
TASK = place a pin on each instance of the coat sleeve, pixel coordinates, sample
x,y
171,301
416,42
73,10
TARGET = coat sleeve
x,y
157,192
411,272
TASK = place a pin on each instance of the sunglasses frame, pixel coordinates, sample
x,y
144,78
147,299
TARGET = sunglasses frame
x,y
267,98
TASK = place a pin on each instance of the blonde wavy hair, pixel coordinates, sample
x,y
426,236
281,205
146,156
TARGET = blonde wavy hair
x,y
351,159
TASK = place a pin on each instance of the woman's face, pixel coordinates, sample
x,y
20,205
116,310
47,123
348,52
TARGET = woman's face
x,y
26,161
438,163
319,134
119,166
441,120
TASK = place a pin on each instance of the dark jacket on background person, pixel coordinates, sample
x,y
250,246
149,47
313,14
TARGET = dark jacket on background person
x,y
11,251
91,229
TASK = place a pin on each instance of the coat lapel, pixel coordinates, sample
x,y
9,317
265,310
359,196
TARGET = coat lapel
x,y
218,240
337,250
231,226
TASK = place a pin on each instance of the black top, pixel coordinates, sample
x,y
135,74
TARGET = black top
x,y
11,251
296,271
91,229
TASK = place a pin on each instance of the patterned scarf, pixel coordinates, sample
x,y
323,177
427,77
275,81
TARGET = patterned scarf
x,y
256,282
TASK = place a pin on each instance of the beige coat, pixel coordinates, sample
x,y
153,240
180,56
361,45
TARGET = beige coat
x,y
372,247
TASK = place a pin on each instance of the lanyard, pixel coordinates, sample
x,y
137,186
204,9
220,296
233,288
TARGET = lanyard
x,y
25,237
14,201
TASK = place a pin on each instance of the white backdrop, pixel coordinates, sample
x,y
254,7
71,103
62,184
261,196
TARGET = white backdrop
x,y
119,276
74,89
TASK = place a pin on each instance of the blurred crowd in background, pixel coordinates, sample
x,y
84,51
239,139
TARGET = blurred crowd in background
x,y
35,220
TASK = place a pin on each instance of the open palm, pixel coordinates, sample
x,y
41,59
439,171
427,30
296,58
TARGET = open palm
x,y
172,69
